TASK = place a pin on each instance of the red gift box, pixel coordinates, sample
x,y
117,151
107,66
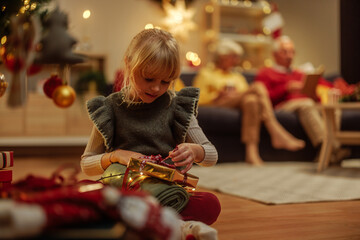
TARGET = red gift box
x,y
5,175
6,159
5,185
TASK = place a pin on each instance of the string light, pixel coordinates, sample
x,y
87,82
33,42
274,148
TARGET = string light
x,y
3,40
268,62
247,3
247,65
33,6
149,26
86,14
209,8
193,58
266,30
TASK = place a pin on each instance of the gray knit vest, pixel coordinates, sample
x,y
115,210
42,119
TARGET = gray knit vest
x,y
148,128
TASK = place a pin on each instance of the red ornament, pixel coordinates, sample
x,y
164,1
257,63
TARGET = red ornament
x,y
33,69
51,84
13,63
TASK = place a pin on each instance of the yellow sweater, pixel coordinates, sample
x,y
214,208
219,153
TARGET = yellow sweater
x,y
211,80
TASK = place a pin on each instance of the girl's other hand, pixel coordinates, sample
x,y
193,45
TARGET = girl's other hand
x,y
186,154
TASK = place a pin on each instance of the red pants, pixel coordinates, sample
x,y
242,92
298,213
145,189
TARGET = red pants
x,y
202,206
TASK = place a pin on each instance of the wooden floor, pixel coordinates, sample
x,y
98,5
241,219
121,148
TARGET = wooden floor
x,y
244,219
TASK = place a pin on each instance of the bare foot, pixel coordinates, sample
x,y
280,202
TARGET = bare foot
x,y
252,155
281,138
255,162
287,142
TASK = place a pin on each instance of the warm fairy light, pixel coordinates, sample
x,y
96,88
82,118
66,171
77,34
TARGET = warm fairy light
x,y
209,8
247,65
33,6
3,40
27,7
247,3
149,26
225,1
22,10
266,9
210,33
141,173
3,8
189,55
268,62
86,14
193,58
196,62
266,30
26,2
234,2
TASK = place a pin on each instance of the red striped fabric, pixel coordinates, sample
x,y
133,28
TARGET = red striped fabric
x,y
6,159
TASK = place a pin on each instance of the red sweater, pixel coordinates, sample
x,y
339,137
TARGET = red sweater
x,y
276,82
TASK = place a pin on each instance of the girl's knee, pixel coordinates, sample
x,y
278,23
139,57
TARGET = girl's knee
x,y
213,207
202,206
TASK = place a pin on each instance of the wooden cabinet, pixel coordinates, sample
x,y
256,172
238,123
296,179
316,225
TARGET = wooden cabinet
x,y
39,122
242,21
40,117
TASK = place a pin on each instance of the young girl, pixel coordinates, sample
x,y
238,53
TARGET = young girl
x,y
147,118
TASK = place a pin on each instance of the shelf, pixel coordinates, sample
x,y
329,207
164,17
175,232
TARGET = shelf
x,y
243,22
43,141
247,38
256,9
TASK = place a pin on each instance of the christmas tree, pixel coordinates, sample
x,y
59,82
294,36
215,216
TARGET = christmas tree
x,y
13,7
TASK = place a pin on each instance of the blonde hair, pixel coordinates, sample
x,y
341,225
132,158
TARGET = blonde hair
x,y
153,51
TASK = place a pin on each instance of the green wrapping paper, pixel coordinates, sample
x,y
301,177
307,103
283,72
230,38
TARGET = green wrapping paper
x,y
167,193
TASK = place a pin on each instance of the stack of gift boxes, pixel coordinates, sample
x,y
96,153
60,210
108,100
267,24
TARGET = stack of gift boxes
x,y
6,162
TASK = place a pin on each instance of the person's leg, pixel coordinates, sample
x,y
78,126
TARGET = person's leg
x,y
280,137
309,117
250,129
202,206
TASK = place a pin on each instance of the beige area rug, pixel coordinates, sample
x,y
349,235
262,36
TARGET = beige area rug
x,y
282,183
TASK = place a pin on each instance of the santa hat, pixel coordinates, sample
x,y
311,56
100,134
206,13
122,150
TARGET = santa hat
x,y
274,22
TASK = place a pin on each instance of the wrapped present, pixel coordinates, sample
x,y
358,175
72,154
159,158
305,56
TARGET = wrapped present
x,y
162,172
5,175
5,185
6,159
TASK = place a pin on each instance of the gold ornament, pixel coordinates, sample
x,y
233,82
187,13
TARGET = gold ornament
x,y
3,84
64,96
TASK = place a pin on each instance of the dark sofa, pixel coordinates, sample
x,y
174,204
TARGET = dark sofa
x,y
222,127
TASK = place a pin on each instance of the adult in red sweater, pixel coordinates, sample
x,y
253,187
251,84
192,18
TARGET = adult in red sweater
x,y
284,85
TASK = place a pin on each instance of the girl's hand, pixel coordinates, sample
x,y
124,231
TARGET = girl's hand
x,y
186,154
119,156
